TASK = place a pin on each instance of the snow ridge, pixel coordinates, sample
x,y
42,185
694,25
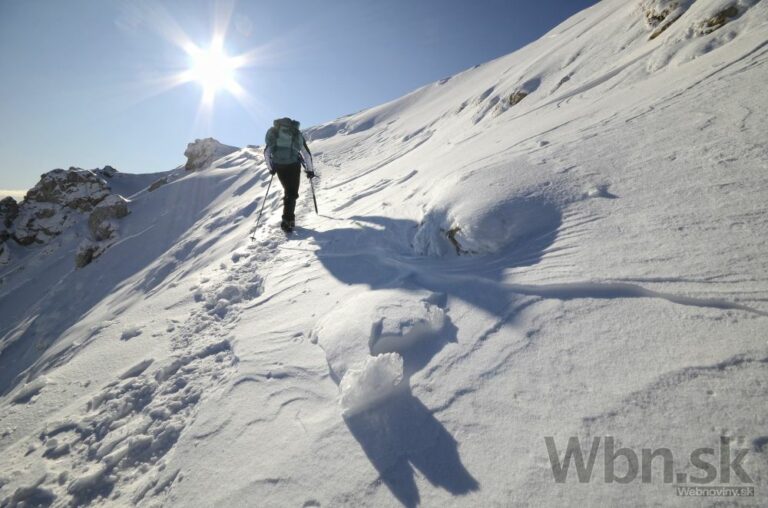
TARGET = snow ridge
x,y
566,241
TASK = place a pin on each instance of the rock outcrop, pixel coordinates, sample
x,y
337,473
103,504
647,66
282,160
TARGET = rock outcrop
x,y
78,189
101,221
157,184
106,171
9,210
61,199
202,152
56,202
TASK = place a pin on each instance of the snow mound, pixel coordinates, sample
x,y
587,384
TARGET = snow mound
x,y
379,322
202,152
485,228
485,214
374,380
29,390
404,323
130,332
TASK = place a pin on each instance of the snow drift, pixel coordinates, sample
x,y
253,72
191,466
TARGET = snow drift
x,y
566,241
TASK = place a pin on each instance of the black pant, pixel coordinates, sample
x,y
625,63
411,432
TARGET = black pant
x,y
290,178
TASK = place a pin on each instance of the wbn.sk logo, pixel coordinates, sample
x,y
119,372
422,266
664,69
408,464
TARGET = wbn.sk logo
x,y
704,460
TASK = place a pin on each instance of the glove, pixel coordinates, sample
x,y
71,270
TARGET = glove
x,y
310,174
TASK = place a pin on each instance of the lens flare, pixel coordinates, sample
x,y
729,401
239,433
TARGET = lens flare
x,y
210,67
213,69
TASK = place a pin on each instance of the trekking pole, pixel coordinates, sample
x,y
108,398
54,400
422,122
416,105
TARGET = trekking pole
x,y
312,186
264,202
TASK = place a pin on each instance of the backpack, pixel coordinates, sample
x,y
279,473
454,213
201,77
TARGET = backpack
x,y
286,141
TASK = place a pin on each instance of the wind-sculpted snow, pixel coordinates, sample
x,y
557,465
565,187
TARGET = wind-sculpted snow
x,y
567,241
472,227
130,425
394,322
114,446
366,383
692,29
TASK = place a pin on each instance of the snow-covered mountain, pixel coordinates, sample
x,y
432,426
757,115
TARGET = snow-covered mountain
x,y
568,241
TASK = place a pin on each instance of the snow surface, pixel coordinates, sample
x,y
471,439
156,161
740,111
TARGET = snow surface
x,y
566,241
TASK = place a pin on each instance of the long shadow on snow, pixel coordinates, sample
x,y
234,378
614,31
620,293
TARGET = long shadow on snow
x,y
401,433
378,254
375,256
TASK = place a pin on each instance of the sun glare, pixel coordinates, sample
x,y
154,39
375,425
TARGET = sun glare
x,y
209,67
213,69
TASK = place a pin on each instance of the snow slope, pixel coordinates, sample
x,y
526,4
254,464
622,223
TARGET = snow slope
x,y
566,241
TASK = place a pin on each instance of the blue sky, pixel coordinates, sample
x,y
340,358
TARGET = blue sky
x,y
79,78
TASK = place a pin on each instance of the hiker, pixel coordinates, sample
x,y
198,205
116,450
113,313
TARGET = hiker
x,y
286,151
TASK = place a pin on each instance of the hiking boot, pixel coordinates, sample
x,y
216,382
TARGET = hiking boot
x,y
287,225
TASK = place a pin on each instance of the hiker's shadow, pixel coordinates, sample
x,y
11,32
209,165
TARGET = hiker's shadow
x,y
401,435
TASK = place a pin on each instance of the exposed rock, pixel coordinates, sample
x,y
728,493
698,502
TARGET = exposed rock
x,y
9,210
563,80
38,221
660,14
25,237
157,184
61,199
106,171
99,222
718,20
53,204
103,228
451,235
79,189
85,254
516,97
5,254
203,152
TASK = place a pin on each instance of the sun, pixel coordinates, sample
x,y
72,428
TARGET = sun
x,y
212,68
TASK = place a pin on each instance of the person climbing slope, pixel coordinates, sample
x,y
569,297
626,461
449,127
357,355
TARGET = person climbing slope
x,y
285,152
